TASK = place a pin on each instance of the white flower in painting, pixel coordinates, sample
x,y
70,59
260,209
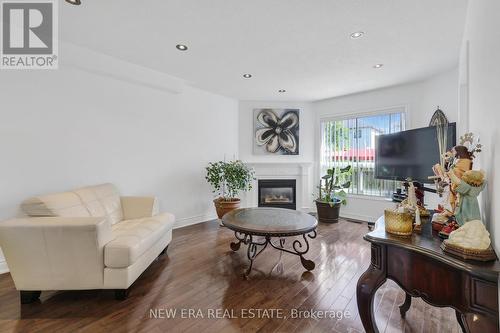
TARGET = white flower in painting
x,y
277,132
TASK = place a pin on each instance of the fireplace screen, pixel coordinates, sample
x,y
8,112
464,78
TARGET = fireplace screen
x,y
277,193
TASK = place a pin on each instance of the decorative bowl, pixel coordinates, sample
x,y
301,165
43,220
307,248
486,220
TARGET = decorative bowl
x,y
397,223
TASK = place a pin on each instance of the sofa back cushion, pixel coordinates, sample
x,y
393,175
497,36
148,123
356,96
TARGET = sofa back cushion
x,y
64,204
102,200
92,201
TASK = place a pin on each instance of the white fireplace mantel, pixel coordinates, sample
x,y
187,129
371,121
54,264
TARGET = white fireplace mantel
x,y
300,171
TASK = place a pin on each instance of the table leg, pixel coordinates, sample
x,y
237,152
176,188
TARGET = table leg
x,y
460,320
251,254
368,284
279,265
300,248
403,308
297,246
252,250
241,238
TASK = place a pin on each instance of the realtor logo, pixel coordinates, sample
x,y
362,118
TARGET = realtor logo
x,y
29,34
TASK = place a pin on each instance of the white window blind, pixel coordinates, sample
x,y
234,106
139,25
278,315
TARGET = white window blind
x,y
351,141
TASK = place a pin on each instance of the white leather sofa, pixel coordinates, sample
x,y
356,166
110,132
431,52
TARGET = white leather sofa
x,y
88,238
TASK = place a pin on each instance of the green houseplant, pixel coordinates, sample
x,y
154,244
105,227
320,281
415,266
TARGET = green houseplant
x,y
227,180
332,193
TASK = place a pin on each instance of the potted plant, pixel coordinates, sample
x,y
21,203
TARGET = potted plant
x,y
227,180
332,193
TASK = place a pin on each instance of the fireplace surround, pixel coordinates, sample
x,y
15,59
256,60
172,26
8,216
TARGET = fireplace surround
x,y
301,172
279,193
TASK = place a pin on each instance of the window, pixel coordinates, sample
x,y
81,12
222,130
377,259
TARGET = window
x,y
351,141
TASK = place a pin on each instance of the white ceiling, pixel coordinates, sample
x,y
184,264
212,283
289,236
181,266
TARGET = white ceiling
x,y
302,46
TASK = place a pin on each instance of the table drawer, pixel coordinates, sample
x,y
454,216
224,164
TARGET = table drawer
x,y
425,277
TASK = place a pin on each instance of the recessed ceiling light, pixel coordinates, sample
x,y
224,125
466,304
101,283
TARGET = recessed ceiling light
x,y
357,34
74,2
281,90
247,76
181,47
378,65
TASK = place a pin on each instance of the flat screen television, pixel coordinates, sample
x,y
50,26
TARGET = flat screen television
x,y
409,154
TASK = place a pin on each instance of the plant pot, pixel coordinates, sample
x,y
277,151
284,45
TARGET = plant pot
x,y
223,206
328,212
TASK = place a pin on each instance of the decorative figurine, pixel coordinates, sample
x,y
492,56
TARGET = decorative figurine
x,y
461,164
464,154
469,188
412,206
456,161
459,217
448,229
453,163
473,235
470,241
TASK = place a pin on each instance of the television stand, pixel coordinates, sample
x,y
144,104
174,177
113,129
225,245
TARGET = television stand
x,y
398,196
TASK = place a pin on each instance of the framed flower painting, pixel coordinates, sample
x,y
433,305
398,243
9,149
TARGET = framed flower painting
x,y
276,131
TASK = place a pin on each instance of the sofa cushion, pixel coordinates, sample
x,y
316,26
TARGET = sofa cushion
x,y
92,201
102,200
65,204
132,238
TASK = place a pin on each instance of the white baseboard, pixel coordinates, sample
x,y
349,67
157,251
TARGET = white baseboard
x,y
3,267
359,217
307,210
186,221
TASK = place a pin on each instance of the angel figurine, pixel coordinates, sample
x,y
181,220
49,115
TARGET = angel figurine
x,y
464,155
461,164
468,187
457,162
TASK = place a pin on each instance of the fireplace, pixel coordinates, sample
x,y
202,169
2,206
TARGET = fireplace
x,y
277,193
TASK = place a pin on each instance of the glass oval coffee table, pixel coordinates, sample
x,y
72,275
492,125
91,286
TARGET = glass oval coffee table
x,y
271,223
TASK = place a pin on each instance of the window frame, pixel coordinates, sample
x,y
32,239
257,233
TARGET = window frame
x,y
403,109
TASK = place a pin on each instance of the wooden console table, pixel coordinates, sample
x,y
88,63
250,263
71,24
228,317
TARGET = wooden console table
x,y
422,269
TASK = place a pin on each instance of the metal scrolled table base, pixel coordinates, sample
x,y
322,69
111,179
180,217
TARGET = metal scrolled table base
x,y
299,247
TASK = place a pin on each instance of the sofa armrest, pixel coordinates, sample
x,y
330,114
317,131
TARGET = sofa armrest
x,y
55,253
139,207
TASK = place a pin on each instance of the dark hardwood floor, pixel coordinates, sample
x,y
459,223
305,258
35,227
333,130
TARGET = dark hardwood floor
x,y
201,272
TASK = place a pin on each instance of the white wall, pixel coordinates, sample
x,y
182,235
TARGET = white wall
x,y
306,135
148,134
420,99
482,34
